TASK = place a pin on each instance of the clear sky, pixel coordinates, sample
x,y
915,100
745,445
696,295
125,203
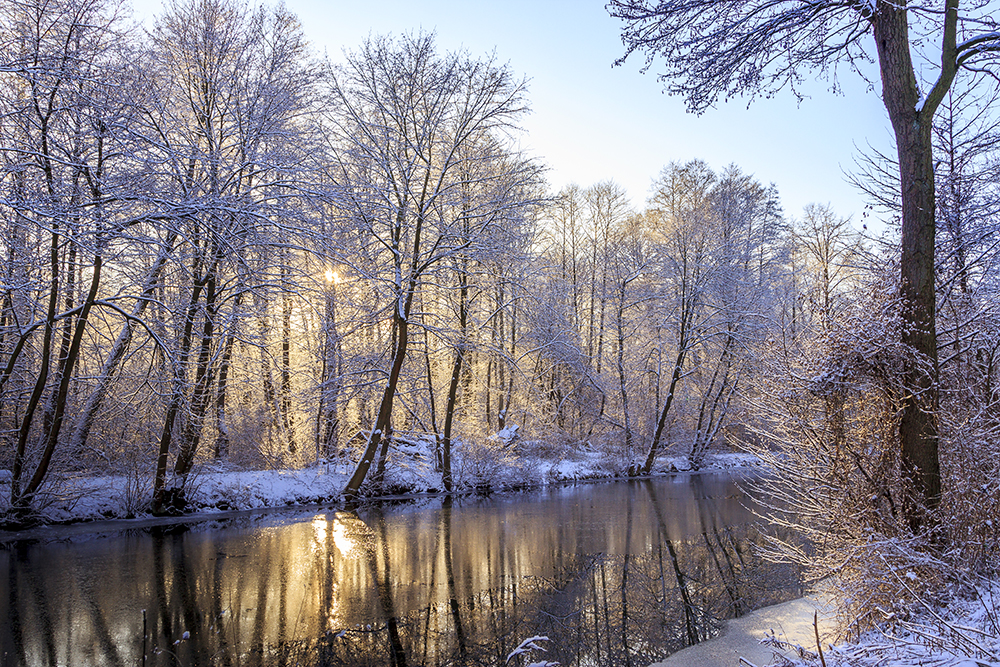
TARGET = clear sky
x,y
592,122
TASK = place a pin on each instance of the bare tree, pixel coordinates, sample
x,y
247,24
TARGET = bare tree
x,y
682,208
67,153
403,120
234,88
830,250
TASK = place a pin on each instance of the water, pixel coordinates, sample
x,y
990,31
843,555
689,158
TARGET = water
x,y
620,573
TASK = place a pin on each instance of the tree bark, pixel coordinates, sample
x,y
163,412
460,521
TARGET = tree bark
x,y
912,119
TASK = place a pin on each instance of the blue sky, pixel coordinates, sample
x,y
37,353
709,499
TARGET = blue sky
x,y
591,122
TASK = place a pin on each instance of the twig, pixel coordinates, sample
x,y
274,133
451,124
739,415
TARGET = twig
x,y
958,634
822,660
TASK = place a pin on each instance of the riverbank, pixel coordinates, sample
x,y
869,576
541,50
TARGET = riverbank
x,y
216,489
960,630
762,637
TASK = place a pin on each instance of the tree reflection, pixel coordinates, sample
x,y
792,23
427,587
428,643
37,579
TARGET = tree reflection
x,y
615,574
693,635
382,577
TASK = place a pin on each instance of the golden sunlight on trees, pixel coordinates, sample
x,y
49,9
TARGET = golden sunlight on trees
x,y
425,184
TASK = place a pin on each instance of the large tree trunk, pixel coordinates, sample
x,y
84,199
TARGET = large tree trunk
x,y
912,119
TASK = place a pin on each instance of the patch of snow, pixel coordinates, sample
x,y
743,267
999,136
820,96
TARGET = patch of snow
x,y
506,436
963,632
410,469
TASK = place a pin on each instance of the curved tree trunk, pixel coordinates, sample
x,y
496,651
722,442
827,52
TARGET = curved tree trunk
x,y
85,420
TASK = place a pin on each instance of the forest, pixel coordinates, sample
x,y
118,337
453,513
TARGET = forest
x,y
218,248
224,252
221,249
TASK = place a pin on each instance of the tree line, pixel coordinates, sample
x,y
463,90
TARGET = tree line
x,y
218,248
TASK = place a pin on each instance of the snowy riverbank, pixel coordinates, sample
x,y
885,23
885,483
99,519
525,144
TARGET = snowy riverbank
x,y
762,637
214,488
960,631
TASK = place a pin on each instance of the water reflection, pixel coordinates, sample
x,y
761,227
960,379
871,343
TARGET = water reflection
x,y
613,574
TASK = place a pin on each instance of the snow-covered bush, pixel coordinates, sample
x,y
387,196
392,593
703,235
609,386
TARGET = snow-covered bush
x,y
486,464
831,411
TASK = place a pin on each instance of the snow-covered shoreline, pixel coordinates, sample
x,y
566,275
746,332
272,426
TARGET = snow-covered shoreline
x,y
959,630
215,490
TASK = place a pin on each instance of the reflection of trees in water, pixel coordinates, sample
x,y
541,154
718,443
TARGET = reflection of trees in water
x,y
638,607
435,588
629,608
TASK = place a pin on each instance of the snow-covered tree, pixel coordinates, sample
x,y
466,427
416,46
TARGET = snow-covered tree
x,y
69,179
416,136
233,88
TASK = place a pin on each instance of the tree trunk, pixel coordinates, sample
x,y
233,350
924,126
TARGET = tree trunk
x,y
456,372
177,396
912,120
65,373
288,420
43,373
654,446
327,421
622,379
384,412
221,448
430,398
191,434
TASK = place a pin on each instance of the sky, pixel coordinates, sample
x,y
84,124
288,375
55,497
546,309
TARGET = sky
x,y
592,122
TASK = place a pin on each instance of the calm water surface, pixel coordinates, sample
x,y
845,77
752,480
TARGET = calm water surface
x,y
617,573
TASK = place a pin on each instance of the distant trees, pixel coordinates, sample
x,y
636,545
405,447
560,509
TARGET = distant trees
x,y
721,252
650,320
827,259
216,251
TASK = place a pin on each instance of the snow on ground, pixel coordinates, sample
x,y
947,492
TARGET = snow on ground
x,y
964,632
410,470
761,637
